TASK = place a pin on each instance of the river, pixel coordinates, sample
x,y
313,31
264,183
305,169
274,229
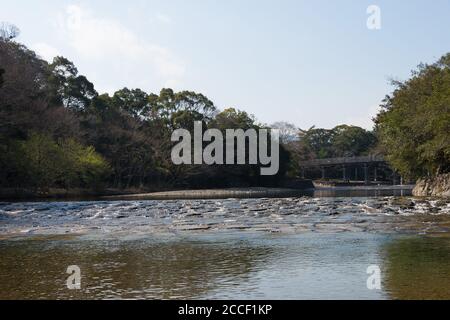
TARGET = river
x,y
306,247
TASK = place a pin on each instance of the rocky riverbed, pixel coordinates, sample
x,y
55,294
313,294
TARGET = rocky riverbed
x,y
289,215
292,248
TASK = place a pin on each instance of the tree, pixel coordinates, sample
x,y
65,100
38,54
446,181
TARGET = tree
x,y
177,109
320,142
341,141
351,141
234,119
134,102
36,130
40,160
414,124
47,163
8,31
22,94
68,88
244,175
81,166
123,138
2,71
26,103
288,132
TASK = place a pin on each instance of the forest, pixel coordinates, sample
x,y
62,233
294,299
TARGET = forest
x,y
414,124
57,131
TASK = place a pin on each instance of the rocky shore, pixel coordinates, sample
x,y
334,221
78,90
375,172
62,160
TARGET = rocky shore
x,y
433,187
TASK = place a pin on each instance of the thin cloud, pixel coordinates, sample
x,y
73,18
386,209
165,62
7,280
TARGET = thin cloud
x,y
106,40
161,17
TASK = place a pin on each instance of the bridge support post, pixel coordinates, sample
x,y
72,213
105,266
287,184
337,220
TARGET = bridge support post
x,y
365,166
366,174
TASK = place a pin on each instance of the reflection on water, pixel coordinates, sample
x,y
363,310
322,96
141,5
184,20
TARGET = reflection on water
x,y
292,248
418,268
308,266
130,269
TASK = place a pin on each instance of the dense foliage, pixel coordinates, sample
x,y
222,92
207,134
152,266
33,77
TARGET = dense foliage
x,y
414,124
57,131
341,141
40,141
318,143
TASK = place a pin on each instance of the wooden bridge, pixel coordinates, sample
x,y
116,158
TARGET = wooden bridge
x,y
366,163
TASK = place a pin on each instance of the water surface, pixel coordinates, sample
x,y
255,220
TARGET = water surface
x,y
294,248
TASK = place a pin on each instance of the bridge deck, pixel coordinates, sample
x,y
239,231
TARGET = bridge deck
x,y
342,161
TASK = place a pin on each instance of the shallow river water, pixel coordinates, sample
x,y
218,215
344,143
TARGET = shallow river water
x,y
294,248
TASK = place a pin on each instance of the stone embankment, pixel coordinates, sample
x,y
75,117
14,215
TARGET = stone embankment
x,y
438,186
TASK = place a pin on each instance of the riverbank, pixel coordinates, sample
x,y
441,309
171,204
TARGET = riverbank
x,y
70,194
288,188
433,187
235,193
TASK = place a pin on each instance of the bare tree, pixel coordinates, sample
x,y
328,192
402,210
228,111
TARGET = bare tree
x,y
8,31
288,132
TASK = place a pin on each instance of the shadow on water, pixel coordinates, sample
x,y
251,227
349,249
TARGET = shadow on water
x,y
418,268
368,192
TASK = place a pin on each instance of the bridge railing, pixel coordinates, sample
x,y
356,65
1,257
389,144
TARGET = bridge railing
x,y
342,161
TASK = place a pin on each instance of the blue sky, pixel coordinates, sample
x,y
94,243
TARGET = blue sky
x,y
305,62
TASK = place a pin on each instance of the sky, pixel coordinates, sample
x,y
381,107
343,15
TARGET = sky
x,y
310,63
